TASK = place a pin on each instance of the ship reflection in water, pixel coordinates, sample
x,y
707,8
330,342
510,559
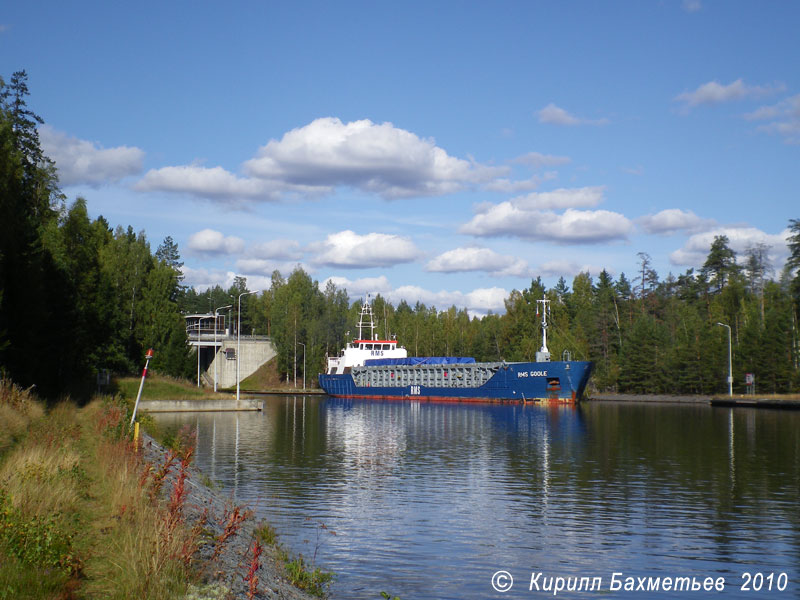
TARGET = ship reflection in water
x,y
429,500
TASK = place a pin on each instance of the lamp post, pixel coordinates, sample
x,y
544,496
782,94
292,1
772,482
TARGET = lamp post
x,y
199,327
304,363
730,361
216,352
239,338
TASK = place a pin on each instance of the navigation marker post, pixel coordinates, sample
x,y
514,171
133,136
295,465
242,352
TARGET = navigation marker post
x,y
147,358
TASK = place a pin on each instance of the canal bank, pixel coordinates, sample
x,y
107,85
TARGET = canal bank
x,y
202,405
227,535
788,401
649,398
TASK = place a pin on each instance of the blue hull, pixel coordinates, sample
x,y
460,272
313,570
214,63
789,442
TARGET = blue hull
x,y
525,381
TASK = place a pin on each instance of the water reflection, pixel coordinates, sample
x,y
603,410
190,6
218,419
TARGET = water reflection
x,y
433,498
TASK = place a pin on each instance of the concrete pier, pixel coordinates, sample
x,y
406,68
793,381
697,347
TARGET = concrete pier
x,y
209,405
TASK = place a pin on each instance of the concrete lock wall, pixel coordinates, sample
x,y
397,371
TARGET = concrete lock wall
x,y
253,354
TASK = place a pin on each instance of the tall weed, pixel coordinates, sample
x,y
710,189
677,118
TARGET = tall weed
x,y
18,408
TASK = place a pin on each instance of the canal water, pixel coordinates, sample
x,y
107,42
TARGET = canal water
x,y
431,501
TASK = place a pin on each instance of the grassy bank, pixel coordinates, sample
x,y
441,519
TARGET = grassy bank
x,y
160,387
267,379
78,516
84,515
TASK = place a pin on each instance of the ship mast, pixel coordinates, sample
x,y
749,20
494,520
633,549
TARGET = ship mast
x,y
543,355
365,320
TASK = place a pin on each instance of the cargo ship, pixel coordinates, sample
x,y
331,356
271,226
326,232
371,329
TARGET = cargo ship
x,y
374,368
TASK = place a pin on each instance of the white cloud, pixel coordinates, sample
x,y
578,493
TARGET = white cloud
x,y
478,259
537,160
202,279
527,217
714,92
265,267
277,249
555,115
673,220
359,288
585,197
784,117
695,252
214,183
508,186
566,268
83,162
350,250
477,302
209,241
378,158
315,159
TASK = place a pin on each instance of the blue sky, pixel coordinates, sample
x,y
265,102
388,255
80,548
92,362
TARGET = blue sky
x,y
446,152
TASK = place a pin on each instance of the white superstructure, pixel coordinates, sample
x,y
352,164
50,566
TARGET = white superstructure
x,y
361,349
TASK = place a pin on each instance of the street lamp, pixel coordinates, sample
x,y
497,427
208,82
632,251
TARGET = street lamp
x,y
239,338
304,363
216,351
730,362
199,328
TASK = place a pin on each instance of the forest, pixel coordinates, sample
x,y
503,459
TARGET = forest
x,y
79,296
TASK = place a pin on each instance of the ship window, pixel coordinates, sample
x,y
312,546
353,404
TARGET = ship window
x,y
367,346
386,347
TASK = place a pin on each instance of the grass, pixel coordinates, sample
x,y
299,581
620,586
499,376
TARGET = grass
x,y
161,387
267,378
77,516
81,515
302,575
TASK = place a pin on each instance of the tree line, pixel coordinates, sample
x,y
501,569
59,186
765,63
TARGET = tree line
x,y
78,296
644,335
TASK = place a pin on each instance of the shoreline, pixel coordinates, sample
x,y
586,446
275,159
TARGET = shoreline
x,y
212,512
649,398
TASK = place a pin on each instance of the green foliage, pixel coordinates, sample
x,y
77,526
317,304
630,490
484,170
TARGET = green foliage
x,y
94,299
36,541
313,580
266,533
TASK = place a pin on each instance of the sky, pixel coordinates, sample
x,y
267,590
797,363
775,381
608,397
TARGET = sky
x,y
442,152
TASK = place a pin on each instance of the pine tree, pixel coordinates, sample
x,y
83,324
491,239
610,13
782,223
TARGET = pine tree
x,y
720,264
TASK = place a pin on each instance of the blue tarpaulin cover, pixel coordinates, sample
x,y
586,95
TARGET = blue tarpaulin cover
x,y
419,360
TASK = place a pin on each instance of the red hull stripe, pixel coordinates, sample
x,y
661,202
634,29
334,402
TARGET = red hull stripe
x,y
457,399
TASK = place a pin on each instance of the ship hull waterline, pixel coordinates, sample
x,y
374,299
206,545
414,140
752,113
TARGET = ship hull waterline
x,y
545,382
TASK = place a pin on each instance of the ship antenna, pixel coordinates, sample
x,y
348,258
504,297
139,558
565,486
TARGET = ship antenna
x,y
543,355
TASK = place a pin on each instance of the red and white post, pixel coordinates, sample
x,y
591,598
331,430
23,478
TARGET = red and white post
x,y
147,358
